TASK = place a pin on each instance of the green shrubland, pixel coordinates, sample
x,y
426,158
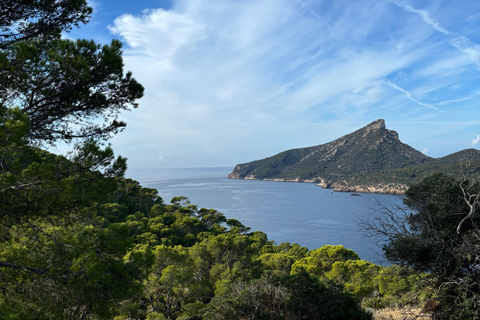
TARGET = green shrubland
x,y
78,240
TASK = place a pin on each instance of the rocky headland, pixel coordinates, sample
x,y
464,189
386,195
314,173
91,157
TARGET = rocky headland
x,y
371,159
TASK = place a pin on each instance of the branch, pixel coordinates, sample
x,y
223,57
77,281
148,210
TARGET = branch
x,y
34,227
16,266
472,201
22,186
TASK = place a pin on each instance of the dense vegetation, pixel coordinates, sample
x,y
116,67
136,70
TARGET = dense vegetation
x,y
438,234
130,256
80,241
459,165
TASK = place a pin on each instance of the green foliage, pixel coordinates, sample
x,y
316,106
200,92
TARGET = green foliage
x,y
78,241
68,89
171,260
60,255
464,163
330,254
289,297
358,277
45,19
37,184
438,234
400,284
375,285
53,243
134,198
13,127
321,260
438,207
278,262
171,281
84,266
155,316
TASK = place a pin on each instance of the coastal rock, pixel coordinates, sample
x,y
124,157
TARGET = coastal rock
x,y
385,189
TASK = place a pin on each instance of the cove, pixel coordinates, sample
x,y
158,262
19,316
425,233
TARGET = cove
x,y
286,211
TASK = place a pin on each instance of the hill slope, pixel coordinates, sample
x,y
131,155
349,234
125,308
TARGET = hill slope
x,y
371,159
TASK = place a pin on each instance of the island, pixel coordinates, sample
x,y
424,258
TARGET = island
x,y
371,159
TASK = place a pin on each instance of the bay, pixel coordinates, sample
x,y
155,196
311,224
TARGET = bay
x,y
286,211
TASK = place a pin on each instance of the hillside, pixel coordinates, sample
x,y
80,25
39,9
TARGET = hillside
x,y
371,159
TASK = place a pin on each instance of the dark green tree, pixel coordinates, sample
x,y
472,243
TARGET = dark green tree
x,y
438,233
69,89
44,19
60,257
293,297
320,260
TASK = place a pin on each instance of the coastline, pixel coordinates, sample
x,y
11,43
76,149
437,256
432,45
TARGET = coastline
x,y
379,188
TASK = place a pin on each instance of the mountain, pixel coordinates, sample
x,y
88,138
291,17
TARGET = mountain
x,y
371,159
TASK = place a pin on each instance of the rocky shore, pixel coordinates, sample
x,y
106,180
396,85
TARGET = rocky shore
x,y
379,188
391,188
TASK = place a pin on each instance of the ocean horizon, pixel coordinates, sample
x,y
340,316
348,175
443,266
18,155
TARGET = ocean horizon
x,y
294,212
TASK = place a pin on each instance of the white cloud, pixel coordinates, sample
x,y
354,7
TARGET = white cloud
x,y
448,66
235,81
466,97
472,50
158,33
476,140
408,94
462,43
424,14
426,150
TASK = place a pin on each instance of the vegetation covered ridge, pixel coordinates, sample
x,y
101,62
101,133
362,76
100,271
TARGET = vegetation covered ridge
x,y
371,159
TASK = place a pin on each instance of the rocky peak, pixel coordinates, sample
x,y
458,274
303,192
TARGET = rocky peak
x,y
372,134
376,128
376,125
378,132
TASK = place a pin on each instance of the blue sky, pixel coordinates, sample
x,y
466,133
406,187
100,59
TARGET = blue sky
x,y
231,81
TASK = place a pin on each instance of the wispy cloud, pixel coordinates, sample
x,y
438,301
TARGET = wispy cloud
x,y
462,43
425,15
409,95
475,94
234,81
472,50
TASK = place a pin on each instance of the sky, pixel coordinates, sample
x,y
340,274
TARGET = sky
x,y
232,81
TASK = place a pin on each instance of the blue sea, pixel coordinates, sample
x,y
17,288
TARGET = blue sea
x,y
286,211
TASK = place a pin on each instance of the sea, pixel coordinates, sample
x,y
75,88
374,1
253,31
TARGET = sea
x,y
302,213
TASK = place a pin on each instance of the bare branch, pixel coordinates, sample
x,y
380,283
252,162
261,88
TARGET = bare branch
x,y
471,200
22,186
